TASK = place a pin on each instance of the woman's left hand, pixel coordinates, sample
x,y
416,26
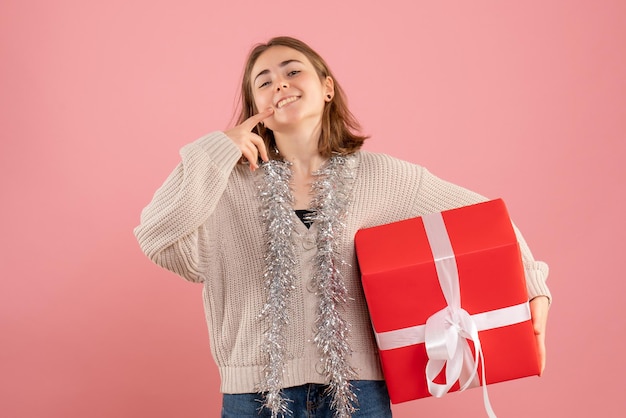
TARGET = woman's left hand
x,y
539,311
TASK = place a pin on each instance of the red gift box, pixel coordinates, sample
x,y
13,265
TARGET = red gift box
x,y
461,272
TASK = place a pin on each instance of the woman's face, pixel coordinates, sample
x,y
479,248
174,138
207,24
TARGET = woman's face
x,y
284,79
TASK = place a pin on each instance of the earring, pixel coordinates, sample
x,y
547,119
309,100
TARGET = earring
x,y
328,96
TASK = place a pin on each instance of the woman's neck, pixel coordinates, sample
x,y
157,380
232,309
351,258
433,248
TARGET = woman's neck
x,y
300,148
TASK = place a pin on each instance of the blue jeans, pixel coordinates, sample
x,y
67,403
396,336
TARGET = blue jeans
x,y
309,401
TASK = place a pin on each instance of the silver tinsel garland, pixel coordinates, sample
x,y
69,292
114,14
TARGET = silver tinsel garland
x,y
331,197
276,208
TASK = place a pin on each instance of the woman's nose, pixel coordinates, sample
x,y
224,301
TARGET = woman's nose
x,y
282,84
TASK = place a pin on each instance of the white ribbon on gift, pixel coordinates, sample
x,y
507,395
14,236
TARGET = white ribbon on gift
x,y
446,333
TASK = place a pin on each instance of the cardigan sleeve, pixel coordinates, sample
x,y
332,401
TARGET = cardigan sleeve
x,y
436,195
172,230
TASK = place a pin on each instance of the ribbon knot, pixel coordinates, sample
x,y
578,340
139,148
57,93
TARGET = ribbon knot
x,y
455,324
458,318
447,333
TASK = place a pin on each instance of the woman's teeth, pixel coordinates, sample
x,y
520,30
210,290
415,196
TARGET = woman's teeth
x,y
286,101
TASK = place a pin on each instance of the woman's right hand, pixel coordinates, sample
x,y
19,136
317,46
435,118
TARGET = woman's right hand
x,y
250,144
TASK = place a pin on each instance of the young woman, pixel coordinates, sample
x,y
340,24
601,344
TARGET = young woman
x,y
264,215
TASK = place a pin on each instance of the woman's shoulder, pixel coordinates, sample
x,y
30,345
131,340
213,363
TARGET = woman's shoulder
x,y
375,162
389,176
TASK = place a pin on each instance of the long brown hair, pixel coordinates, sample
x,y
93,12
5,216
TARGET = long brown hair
x,y
340,129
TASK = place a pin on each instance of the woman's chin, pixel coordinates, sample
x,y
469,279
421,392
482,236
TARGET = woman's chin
x,y
280,126
290,124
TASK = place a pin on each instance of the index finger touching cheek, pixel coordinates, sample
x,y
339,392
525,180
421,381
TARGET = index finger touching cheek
x,y
253,120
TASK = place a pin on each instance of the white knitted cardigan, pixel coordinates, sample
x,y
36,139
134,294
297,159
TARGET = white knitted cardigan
x,y
203,224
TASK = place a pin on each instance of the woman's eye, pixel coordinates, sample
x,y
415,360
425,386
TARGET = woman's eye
x,y
292,73
266,83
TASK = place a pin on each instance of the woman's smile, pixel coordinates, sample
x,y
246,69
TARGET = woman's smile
x,y
287,100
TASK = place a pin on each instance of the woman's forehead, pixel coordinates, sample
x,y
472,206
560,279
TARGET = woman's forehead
x,y
276,56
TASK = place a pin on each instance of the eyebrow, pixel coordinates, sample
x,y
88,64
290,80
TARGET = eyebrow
x,y
282,64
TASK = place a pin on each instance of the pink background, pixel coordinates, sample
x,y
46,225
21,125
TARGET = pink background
x,y
520,100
